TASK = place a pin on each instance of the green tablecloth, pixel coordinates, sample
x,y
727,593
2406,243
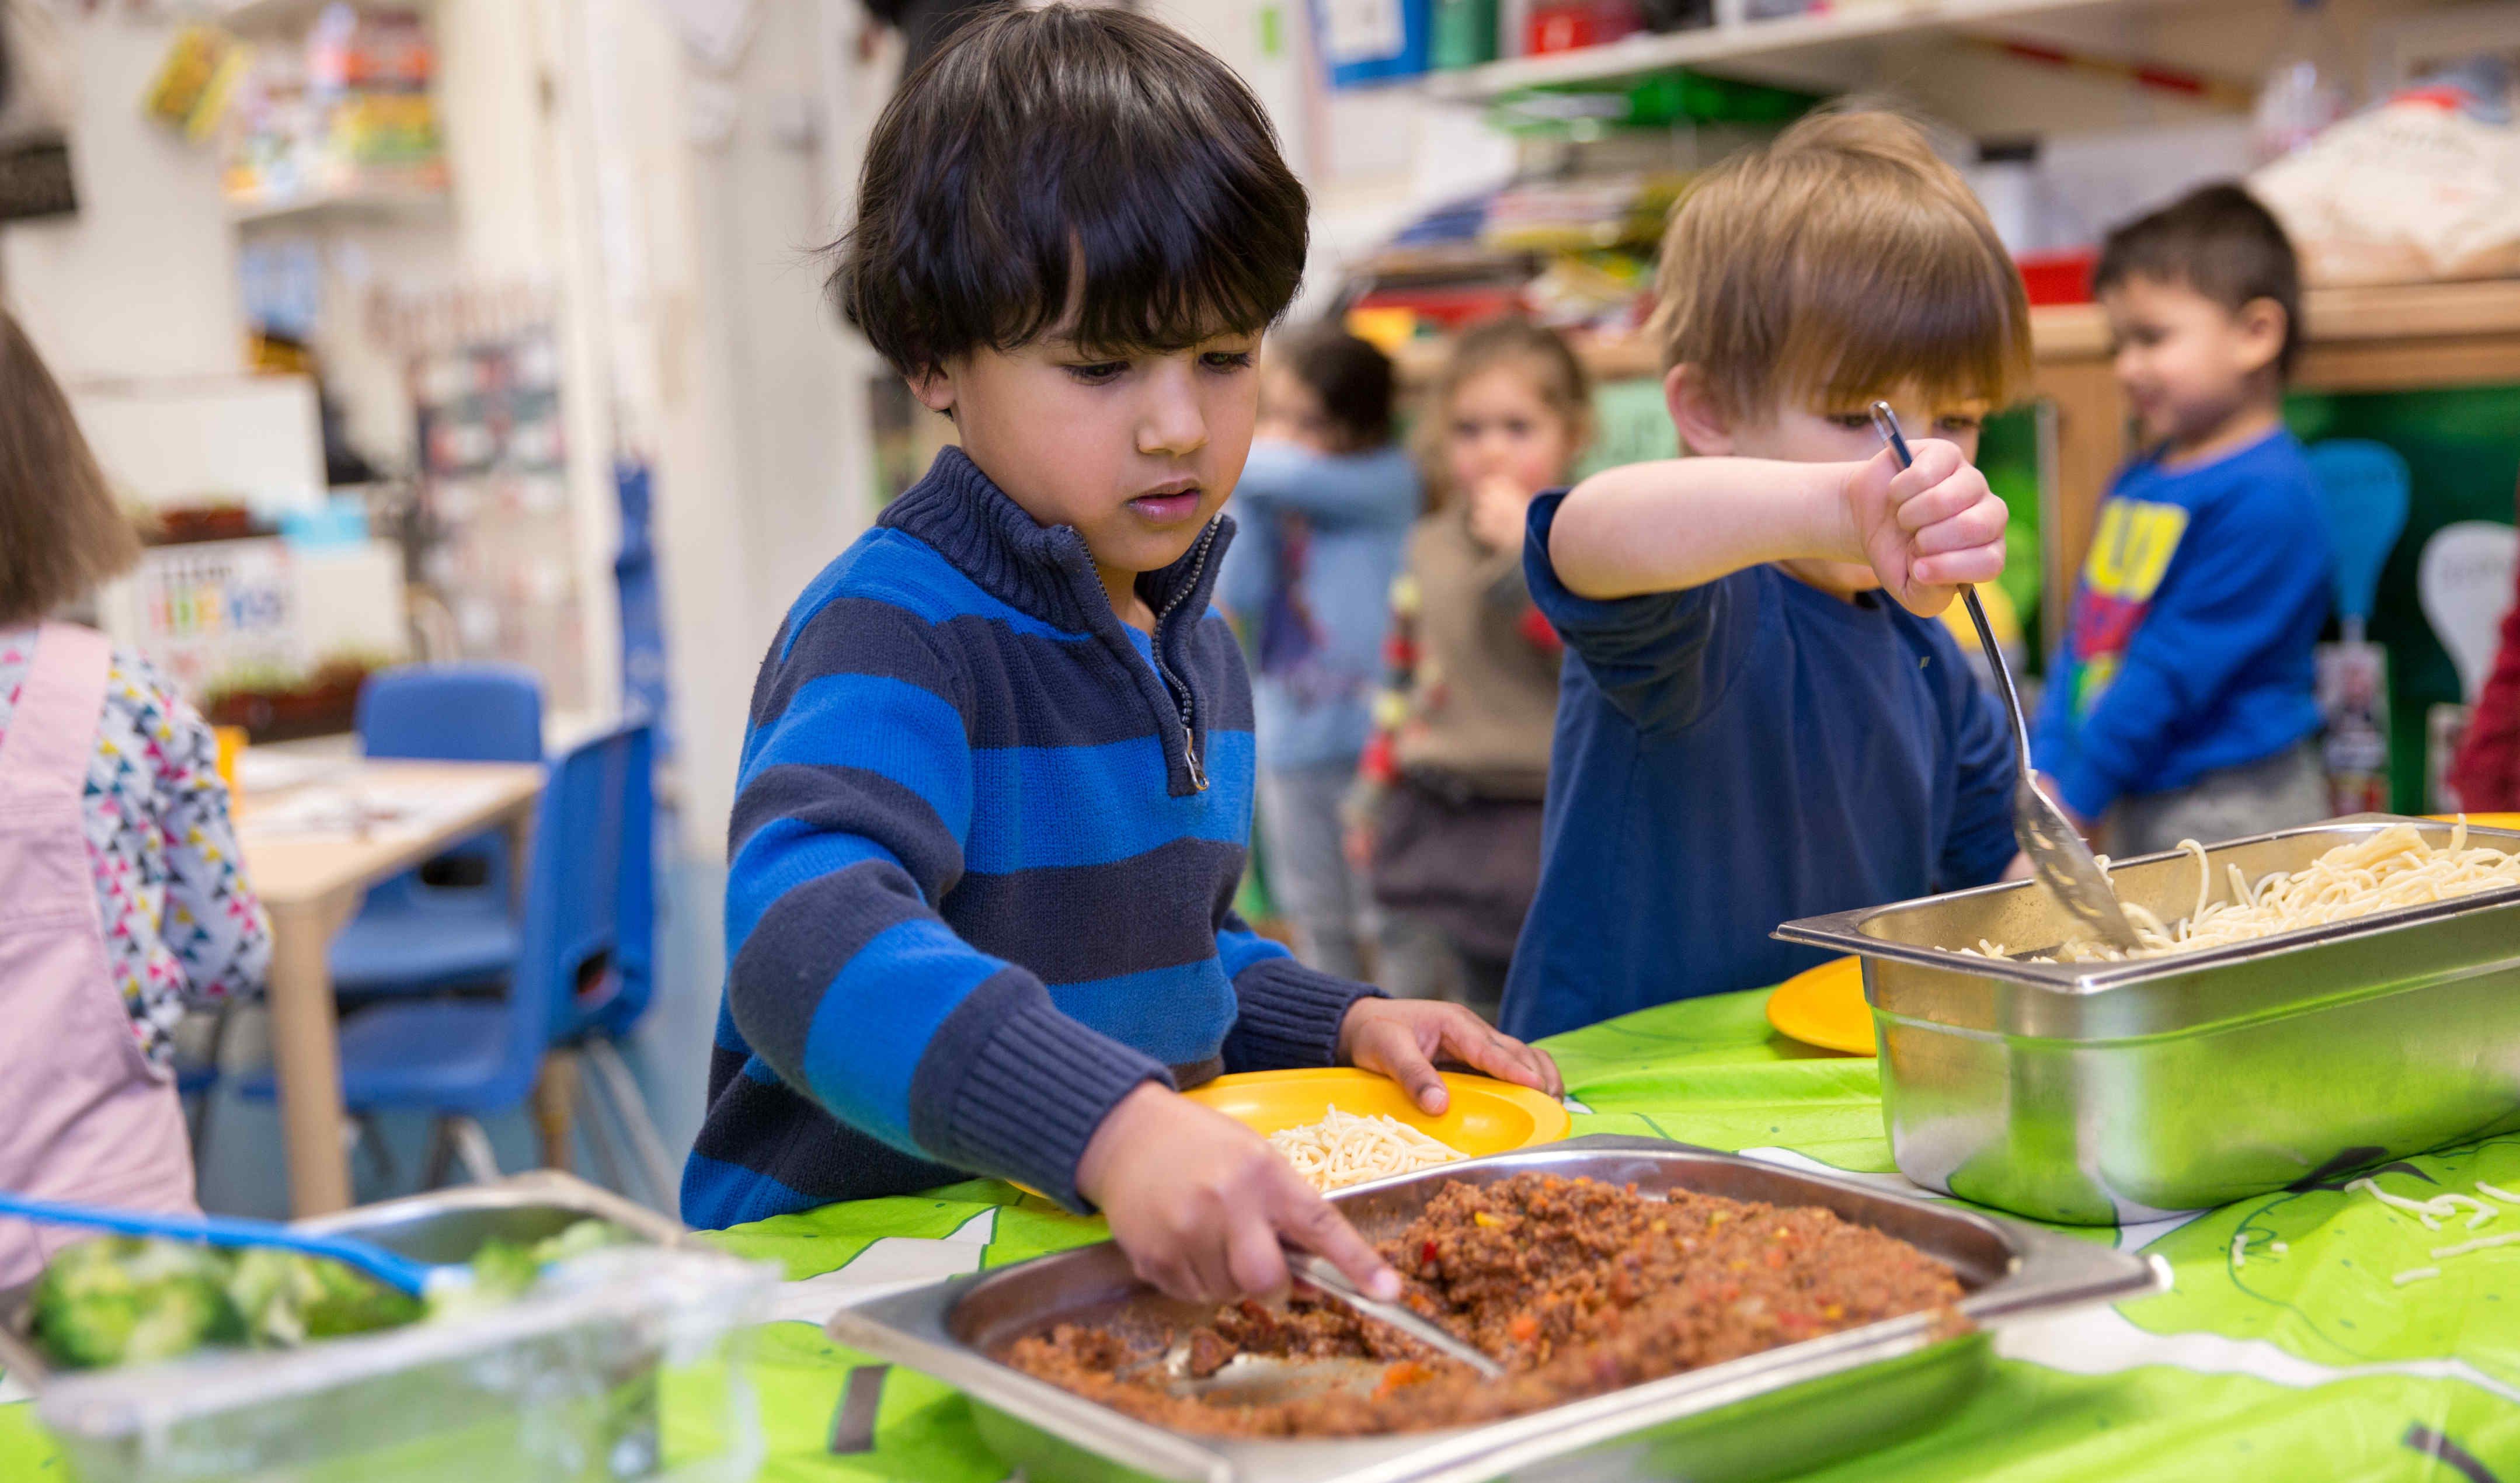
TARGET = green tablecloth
x,y
2309,1364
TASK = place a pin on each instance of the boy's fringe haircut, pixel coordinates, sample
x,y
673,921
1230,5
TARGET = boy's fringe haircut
x,y
1837,264
1069,168
2219,241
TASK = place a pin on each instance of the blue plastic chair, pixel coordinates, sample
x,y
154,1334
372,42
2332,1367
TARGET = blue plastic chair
x,y
2364,487
412,936
589,916
605,1007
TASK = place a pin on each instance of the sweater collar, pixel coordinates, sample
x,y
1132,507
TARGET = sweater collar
x,y
1044,571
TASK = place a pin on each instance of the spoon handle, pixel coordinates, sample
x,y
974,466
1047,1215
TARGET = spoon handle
x,y
395,1271
1887,422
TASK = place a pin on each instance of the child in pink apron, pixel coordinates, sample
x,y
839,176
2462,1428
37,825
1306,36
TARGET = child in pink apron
x,y
122,903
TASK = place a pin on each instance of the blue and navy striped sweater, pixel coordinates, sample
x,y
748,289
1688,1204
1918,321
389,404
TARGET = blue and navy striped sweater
x,y
984,845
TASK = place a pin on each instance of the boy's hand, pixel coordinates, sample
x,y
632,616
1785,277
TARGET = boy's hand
x,y
1200,1203
1404,1038
1927,528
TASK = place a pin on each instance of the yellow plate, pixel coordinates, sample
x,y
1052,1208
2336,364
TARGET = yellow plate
x,y
1824,1007
1486,1116
2485,821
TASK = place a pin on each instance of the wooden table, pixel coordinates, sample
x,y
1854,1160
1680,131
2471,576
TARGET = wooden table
x,y
313,883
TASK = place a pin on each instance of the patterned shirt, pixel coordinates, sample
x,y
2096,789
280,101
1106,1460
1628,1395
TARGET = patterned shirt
x,y
183,928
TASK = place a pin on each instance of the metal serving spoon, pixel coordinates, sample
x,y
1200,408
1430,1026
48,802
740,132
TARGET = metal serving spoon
x,y
2057,854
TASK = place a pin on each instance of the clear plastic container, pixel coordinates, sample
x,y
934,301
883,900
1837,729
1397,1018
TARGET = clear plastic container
x,y
628,1364
2306,86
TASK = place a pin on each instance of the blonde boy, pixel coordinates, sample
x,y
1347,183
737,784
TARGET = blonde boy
x,y
1760,719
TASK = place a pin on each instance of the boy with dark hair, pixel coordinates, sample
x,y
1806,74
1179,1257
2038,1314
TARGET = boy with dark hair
x,y
1759,719
2183,701
998,780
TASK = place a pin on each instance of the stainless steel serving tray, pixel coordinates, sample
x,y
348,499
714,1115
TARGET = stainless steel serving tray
x,y
1770,1414
2117,1092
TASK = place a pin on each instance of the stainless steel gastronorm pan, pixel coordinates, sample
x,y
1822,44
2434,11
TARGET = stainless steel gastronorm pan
x,y
1770,1414
2094,1093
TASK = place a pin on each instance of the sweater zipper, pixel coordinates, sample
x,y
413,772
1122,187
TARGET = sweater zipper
x,y
1186,702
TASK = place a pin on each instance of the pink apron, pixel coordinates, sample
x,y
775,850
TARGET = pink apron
x,y
83,1114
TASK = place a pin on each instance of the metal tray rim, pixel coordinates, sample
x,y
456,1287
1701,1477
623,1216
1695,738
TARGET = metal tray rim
x,y
1843,930
2049,1272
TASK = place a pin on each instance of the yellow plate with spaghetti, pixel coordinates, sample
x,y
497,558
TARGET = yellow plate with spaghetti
x,y
1486,1115
1824,1007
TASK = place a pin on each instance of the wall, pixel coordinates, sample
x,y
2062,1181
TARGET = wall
x,y
710,194
142,282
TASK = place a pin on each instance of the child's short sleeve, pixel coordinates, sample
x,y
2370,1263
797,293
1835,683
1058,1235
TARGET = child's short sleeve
x,y
1662,660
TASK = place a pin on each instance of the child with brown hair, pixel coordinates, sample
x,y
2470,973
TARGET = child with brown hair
x,y
1761,719
2183,700
1449,805
122,900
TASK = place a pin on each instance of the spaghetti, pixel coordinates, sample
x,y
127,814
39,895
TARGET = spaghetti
x,y
2392,869
1344,1148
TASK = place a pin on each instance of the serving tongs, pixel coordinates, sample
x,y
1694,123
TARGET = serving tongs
x,y
2059,858
1262,1380
1317,1271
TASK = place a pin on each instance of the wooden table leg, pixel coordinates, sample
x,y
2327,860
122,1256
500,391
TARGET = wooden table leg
x,y
555,1095
306,1053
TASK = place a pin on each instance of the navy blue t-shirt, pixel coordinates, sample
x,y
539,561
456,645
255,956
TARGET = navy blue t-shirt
x,y
1734,756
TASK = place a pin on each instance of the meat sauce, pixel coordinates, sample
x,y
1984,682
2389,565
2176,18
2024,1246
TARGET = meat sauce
x,y
1577,1287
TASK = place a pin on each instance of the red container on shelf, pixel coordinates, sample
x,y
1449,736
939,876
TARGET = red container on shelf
x,y
1570,26
2059,278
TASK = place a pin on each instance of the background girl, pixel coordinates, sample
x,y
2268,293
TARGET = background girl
x,y
122,900
1449,808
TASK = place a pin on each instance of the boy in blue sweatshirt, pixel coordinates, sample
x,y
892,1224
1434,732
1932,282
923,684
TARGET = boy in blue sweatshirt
x,y
1759,719
2182,704
997,785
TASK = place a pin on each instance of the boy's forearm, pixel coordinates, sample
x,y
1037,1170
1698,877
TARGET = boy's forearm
x,y
1684,522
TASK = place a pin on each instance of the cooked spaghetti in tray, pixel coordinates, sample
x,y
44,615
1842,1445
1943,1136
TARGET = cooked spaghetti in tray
x,y
2393,868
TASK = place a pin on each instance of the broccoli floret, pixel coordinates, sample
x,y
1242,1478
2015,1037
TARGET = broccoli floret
x,y
505,1271
123,1300
286,1298
119,1300
347,1301
579,1239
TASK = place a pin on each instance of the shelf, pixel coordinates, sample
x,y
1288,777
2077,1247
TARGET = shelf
x,y
1712,46
371,200
289,15
2332,317
2446,333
